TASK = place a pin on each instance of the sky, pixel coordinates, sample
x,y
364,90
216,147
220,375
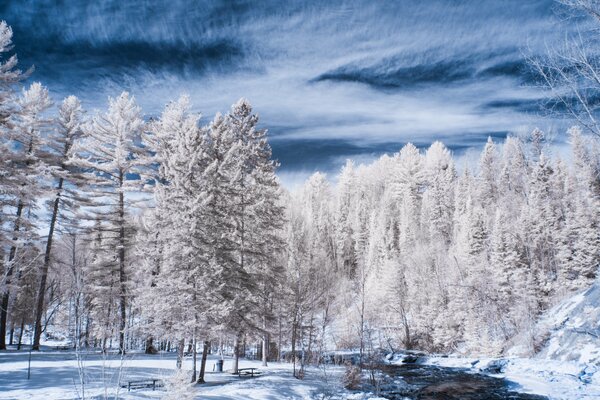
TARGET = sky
x,y
329,79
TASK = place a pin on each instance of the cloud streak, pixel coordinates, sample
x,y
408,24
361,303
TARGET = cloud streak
x,y
331,79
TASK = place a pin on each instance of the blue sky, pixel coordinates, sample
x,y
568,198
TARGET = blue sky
x,y
330,79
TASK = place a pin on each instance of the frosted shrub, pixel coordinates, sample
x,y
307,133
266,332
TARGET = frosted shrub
x,y
178,387
352,377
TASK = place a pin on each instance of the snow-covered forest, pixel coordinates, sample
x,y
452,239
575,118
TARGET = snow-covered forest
x,y
123,231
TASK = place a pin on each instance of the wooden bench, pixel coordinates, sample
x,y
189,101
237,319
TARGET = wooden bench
x,y
143,384
252,372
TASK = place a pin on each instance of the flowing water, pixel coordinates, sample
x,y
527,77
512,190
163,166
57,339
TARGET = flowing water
x,y
415,381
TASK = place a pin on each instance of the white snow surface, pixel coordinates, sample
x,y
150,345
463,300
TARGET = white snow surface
x,y
55,376
572,329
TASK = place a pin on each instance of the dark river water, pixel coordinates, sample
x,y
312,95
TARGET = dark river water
x,y
414,381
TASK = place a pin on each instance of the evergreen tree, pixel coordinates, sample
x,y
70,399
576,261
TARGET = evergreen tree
x,y
59,148
256,217
109,151
27,170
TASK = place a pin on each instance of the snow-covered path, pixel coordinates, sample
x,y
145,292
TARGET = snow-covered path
x,y
55,375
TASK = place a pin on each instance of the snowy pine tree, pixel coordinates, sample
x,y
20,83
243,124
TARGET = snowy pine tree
x,y
109,151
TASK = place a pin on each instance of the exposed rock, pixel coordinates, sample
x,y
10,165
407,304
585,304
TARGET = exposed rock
x,y
494,367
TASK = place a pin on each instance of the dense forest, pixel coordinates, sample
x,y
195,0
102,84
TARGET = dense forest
x,y
123,231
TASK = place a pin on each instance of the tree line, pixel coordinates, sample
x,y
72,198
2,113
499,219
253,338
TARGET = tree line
x,y
126,232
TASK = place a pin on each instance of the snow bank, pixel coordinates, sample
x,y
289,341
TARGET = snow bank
x,y
553,378
573,328
568,365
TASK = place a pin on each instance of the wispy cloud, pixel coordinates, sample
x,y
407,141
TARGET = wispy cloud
x,y
331,79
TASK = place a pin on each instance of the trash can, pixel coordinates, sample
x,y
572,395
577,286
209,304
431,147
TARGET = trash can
x,y
219,365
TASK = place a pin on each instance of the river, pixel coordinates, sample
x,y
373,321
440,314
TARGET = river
x,y
426,382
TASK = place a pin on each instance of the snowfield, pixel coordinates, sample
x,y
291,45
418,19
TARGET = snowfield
x,y
55,375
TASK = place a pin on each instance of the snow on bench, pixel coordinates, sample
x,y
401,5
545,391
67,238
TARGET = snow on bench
x,y
248,372
143,384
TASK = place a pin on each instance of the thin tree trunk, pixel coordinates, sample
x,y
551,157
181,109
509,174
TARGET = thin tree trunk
x,y
310,339
11,334
362,330
180,348
195,353
39,309
236,355
203,361
21,329
294,325
279,339
265,349
77,336
87,332
6,295
122,278
265,342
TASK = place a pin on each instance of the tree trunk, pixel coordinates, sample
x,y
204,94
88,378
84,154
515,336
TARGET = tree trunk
x,y
362,322
87,332
203,362
9,272
265,349
279,339
77,336
294,323
180,348
39,309
195,353
150,345
122,278
236,355
11,334
21,333
407,338
310,340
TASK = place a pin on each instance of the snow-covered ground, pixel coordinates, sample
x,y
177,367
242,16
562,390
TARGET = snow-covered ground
x,y
567,367
55,375
572,329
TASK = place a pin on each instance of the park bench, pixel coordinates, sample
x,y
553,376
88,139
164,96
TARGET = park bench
x,y
143,384
62,347
252,372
